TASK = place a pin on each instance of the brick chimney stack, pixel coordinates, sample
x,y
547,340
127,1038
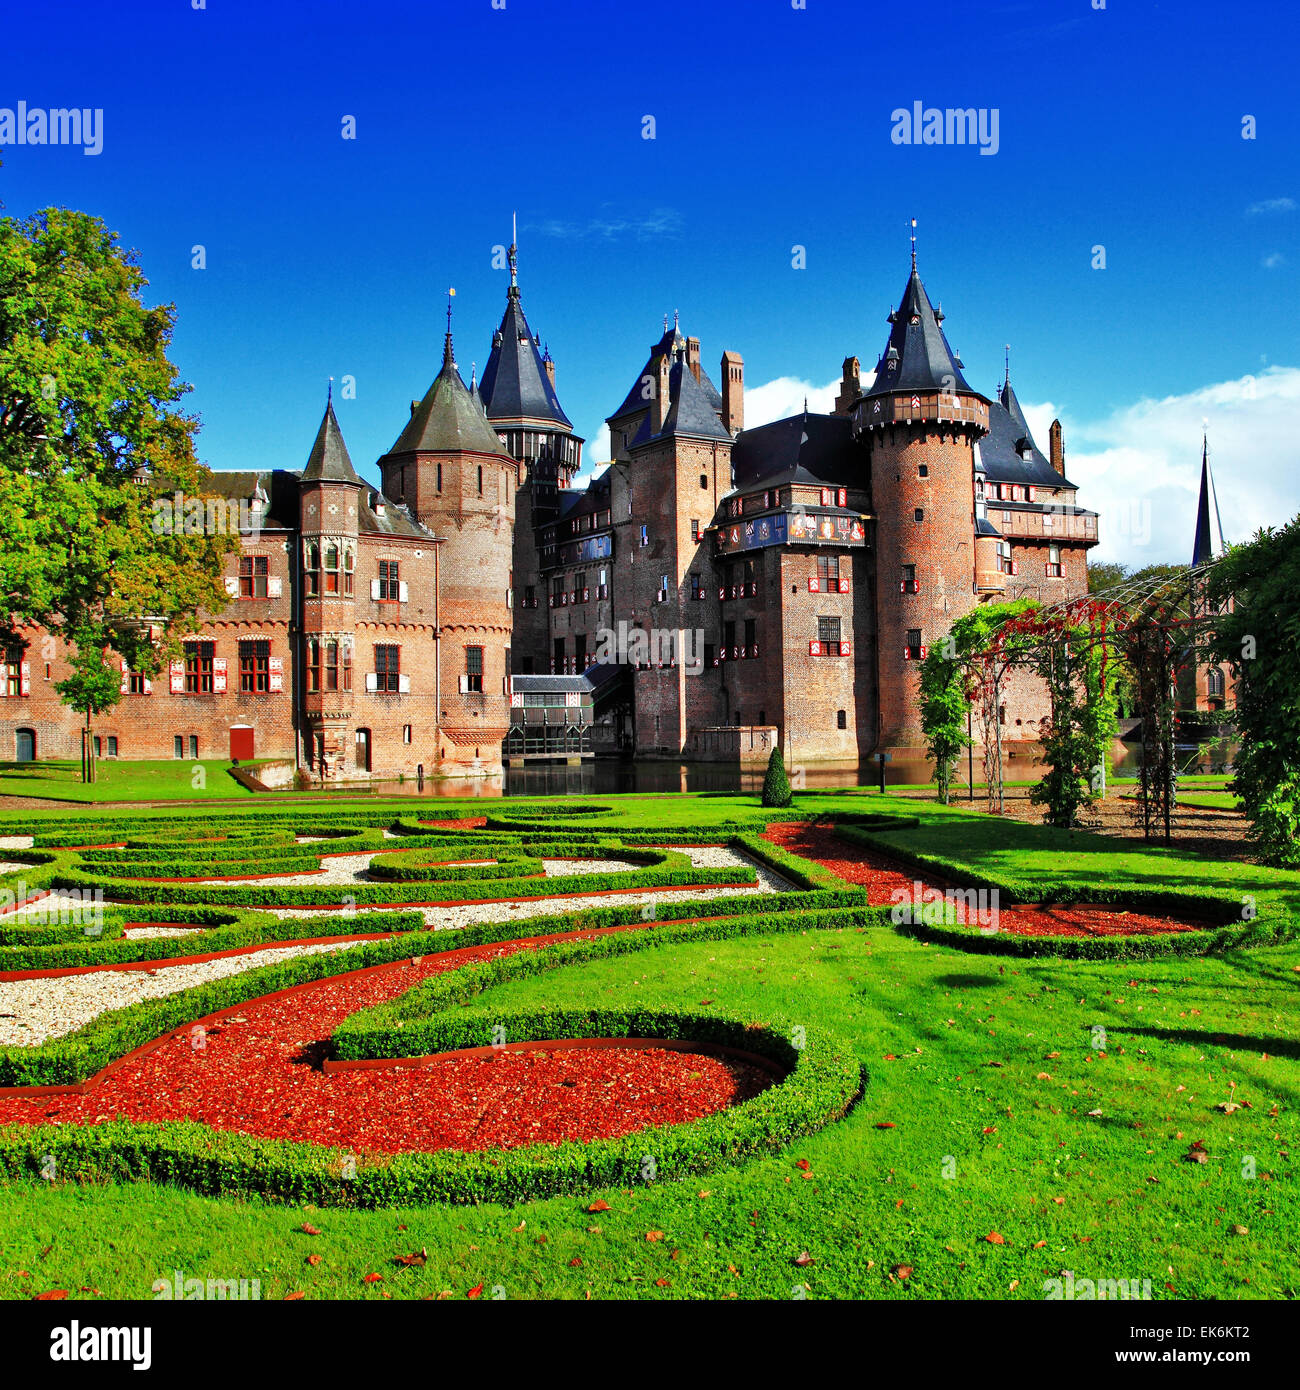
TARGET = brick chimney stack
x,y
733,391
850,386
693,356
1057,447
549,363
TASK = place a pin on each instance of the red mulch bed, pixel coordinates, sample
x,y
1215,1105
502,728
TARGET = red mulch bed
x,y
259,1073
882,876
470,823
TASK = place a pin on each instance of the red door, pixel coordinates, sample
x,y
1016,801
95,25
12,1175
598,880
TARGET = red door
x,y
241,743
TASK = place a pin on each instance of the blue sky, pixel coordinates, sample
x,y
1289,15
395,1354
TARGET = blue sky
x,y
1119,127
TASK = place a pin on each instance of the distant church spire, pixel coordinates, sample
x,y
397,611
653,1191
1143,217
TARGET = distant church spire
x,y
1209,543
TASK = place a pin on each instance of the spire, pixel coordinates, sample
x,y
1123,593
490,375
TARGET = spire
x,y
515,384
514,255
917,356
914,246
1209,543
1007,379
328,461
448,353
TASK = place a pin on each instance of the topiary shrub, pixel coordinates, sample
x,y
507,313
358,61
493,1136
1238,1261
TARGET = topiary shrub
x,y
776,785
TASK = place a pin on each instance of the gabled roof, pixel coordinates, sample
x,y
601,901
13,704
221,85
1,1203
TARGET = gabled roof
x,y
448,419
514,384
1209,543
279,485
673,342
804,448
1002,460
917,356
328,461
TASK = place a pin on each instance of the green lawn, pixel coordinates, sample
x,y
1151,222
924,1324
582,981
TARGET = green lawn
x,y
985,1070
163,780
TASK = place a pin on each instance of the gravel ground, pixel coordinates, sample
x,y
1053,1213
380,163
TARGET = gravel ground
x,y
17,841
7,866
470,914
44,1009
352,868
49,908
146,933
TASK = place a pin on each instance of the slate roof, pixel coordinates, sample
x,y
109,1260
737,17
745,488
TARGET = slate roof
x,y
690,409
328,461
1208,543
514,384
918,351
1002,462
448,419
673,342
804,448
279,485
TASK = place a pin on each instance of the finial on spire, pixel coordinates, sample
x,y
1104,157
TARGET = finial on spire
x,y
514,250
914,243
329,392
473,375
447,354
675,320
665,323
1006,347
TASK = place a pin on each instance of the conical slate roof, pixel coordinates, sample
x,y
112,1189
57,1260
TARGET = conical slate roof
x,y
448,419
917,356
1209,543
328,461
514,384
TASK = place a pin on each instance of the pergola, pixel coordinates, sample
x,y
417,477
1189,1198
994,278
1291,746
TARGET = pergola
x,y
1159,623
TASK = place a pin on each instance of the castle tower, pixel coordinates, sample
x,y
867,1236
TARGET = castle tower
x,y
517,390
921,420
329,503
453,474
1209,543
674,446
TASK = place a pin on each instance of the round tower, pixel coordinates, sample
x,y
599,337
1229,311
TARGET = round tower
x,y
452,472
920,420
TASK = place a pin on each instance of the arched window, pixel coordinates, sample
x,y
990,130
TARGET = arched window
x,y
1214,682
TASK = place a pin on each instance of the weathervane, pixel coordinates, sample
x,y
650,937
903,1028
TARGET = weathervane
x,y
329,392
514,249
451,294
914,243
1007,349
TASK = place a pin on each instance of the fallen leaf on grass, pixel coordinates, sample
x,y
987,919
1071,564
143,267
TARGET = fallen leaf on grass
x,y
994,1239
308,1230
886,1124
372,1278
654,1235
600,1204
475,1291
418,1258
803,1163
803,1258
1227,1106
313,1259
294,1296
575,1262
50,1293
902,1271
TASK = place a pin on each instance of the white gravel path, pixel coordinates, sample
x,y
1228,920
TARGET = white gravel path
x,y
149,933
470,914
17,841
51,908
354,868
49,1008
9,866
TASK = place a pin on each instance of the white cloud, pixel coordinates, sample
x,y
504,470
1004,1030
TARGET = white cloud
x,y
1273,260
784,396
1271,205
1140,467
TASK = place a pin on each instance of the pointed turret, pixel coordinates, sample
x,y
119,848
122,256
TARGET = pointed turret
x,y
1209,543
328,461
448,419
516,385
917,356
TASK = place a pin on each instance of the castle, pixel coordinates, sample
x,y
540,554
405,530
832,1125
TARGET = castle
x,y
779,584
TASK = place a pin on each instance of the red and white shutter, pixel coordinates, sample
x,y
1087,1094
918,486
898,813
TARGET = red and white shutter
x,y
218,675
275,672
25,678
814,584
844,586
814,648
845,649
126,679
176,677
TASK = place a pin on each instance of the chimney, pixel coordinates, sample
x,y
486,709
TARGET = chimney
x,y
1057,447
549,364
659,404
693,356
415,405
850,386
733,391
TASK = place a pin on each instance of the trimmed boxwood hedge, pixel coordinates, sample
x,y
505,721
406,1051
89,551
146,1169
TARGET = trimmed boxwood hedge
x,y
76,1056
825,1082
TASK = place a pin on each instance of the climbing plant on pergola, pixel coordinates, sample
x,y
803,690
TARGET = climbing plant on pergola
x,y
1159,624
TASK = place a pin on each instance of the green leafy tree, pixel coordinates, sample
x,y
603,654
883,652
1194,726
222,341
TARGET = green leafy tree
x,y
776,785
1257,634
90,435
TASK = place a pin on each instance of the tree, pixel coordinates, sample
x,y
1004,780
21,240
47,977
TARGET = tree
x,y
1103,574
1257,633
776,785
89,436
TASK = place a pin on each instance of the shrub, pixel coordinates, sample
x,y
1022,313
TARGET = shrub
x,y
776,785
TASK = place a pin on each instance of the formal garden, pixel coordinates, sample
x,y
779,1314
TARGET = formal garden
x,y
686,1046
